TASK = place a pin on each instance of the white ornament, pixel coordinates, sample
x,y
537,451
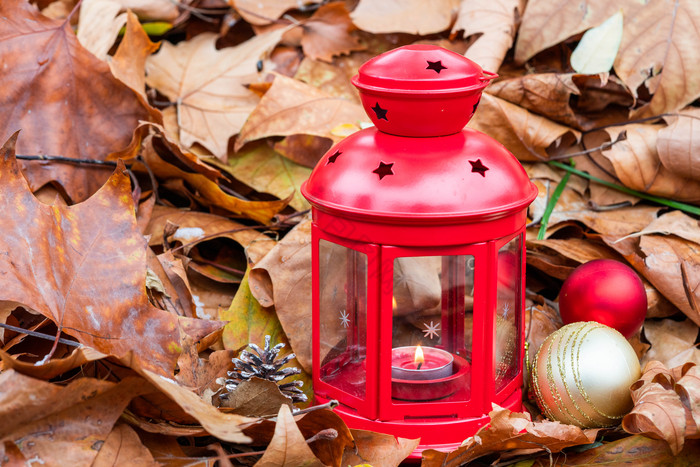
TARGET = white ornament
x,y
431,330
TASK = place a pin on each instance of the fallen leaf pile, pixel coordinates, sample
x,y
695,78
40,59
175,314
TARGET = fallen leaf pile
x,y
152,156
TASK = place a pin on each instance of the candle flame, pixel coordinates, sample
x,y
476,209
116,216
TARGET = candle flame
x,y
419,359
394,305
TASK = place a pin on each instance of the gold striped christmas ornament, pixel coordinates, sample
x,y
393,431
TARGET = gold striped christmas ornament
x,y
582,373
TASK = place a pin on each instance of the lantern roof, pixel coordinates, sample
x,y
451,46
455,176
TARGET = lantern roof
x,y
459,177
418,164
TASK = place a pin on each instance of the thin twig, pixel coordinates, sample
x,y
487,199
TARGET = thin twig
x,y
40,335
69,160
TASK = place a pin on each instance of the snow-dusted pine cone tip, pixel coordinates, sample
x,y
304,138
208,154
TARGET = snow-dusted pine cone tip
x,y
265,365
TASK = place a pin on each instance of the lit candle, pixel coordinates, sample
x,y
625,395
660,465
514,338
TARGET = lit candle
x,y
413,363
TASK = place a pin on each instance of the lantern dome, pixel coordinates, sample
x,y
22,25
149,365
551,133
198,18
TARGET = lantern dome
x,y
464,176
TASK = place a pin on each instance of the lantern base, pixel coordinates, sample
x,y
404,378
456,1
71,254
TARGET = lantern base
x,y
435,433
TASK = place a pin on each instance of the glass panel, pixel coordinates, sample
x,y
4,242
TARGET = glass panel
x,y
343,317
507,313
432,308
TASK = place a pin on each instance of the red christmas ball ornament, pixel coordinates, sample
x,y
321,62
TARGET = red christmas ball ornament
x,y
605,291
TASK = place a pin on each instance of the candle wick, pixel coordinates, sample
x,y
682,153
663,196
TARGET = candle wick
x,y
420,364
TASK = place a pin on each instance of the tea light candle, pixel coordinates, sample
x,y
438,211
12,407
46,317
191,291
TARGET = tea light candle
x,y
415,363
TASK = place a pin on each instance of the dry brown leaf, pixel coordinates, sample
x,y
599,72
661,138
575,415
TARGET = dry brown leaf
x,y
54,367
213,105
411,16
496,21
672,223
57,425
99,25
200,374
288,447
550,95
71,105
378,449
327,33
635,450
123,447
292,107
262,12
512,431
305,150
659,49
688,389
256,398
329,451
637,165
153,10
672,342
540,321
658,411
129,61
549,22
523,133
196,227
679,145
84,267
209,193
283,279
224,426
332,79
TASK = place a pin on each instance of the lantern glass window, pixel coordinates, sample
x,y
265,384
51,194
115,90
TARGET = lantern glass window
x,y
507,351
432,303
343,317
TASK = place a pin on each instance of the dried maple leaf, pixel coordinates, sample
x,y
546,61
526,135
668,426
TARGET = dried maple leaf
x,y
672,342
99,25
411,16
64,99
57,425
496,22
259,12
327,33
659,49
292,107
208,85
378,449
83,267
512,431
658,411
679,145
123,447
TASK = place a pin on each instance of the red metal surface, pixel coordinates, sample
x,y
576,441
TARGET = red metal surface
x,y
437,191
420,90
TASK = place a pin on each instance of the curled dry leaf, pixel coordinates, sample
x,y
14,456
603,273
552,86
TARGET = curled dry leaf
x,y
288,447
264,12
327,33
496,22
211,106
658,50
256,398
672,342
292,107
378,449
52,75
411,16
55,265
525,134
152,10
679,144
99,25
512,431
658,411
633,450
129,61
209,193
58,425
54,367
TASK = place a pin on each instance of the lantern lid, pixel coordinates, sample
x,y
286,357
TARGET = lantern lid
x,y
462,177
421,69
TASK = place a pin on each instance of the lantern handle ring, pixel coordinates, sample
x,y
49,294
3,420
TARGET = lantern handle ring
x,y
488,75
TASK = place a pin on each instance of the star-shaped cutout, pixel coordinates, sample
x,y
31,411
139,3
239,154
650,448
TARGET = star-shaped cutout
x,y
431,330
381,113
331,159
384,169
478,167
436,66
344,318
475,106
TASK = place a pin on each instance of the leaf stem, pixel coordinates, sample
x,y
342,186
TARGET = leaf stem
x,y
656,199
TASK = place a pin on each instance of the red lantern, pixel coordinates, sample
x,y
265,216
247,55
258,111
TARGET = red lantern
x,y
418,238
